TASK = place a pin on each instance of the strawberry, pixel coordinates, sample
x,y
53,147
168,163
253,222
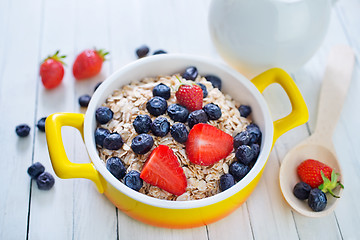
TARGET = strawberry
x,y
190,95
52,71
318,175
162,169
207,145
88,63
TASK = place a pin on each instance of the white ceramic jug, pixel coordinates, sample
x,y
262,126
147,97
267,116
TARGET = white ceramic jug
x,y
255,35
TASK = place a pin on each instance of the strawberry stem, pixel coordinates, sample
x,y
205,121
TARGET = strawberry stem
x,y
102,53
56,57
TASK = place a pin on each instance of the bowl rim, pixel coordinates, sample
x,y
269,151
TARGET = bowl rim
x,y
267,137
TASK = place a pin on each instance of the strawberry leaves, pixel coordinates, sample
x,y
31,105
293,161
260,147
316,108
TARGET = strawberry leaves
x,y
329,185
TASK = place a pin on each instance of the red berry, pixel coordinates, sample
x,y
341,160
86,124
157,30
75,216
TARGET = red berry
x,y
190,96
207,144
309,172
163,169
88,63
52,71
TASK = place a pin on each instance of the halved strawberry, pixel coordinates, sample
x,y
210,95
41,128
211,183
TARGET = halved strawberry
x,y
162,169
207,144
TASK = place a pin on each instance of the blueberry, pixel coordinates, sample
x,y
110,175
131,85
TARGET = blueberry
x,y
142,51
116,167
142,124
226,182
242,138
161,90
132,180
255,133
244,110
190,73
215,81
256,148
204,89
159,52
213,111
41,124
100,135
317,200
84,100
302,190
244,154
142,143
179,132
238,170
178,113
45,181
35,170
156,106
113,141
160,127
103,115
197,116
22,130
97,85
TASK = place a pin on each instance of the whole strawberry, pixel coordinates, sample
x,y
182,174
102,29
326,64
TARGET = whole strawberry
x,y
88,63
318,175
190,95
52,71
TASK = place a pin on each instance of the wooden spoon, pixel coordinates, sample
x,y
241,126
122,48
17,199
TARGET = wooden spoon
x,y
319,145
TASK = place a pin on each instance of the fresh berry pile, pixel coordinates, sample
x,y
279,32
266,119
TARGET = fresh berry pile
x,y
316,179
204,143
44,180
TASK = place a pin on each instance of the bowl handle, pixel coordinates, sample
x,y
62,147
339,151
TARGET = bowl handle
x,y
299,114
61,164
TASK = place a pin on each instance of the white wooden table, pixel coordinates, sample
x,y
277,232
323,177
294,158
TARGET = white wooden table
x,y
31,30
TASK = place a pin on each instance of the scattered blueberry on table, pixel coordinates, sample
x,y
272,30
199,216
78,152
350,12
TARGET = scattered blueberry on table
x,y
161,90
156,106
116,167
142,143
84,100
178,113
179,132
142,124
113,141
22,130
159,52
35,170
198,116
97,85
190,73
215,81
100,135
142,51
244,110
45,181
41,124
103,115
204,89
226,182
132,180
213,111
160,126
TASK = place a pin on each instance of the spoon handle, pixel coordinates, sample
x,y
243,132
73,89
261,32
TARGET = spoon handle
x,y
335,85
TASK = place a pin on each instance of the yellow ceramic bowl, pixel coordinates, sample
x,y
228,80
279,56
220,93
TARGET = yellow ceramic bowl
x,y
173,214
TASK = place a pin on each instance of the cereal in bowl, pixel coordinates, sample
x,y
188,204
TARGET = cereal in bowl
x,y
175,138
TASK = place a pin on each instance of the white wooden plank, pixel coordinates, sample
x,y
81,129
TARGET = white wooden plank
x,y
19,71
4,23
56,204
94,214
